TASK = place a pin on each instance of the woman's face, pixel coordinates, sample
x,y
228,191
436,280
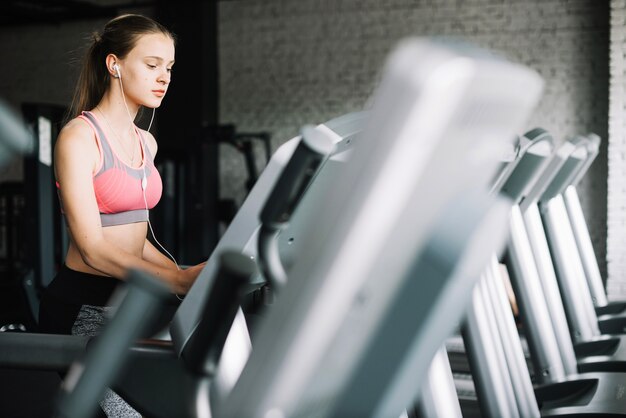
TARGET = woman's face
x,y
147,70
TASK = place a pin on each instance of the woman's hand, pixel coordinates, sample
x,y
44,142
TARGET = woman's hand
x,y
187,277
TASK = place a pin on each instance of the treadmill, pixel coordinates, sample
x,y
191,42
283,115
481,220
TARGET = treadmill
x,y
583,240
494,370
556,247
530,156
610,317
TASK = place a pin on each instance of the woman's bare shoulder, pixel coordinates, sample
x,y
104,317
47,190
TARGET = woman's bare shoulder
x,y
76,128
77,138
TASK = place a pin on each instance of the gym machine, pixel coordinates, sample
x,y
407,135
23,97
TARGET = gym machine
x,y
560,263
537,286
15,139
501,378
569,271
591,314
583,240
35,224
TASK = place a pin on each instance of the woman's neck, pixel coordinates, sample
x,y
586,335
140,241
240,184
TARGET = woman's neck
x,y
117,112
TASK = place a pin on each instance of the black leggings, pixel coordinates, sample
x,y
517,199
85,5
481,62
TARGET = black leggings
x,y
75,303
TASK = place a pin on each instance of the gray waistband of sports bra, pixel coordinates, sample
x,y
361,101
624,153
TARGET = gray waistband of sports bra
x,y
122,218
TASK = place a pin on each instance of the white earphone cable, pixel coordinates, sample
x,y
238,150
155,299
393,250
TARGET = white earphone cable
x,y
145,200
132,120
151,119
144,181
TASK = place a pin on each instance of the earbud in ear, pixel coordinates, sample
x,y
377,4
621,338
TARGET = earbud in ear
x,y
117,70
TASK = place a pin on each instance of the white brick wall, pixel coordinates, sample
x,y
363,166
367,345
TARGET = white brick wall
x,y
616,206
285,63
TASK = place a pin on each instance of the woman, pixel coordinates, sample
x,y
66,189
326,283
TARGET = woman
x,y
107,180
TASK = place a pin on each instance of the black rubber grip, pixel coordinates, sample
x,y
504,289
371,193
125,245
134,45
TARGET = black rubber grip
x,y
295,178
40,351
204,348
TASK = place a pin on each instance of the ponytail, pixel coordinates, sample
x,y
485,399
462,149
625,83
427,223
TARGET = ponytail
x,y
92,81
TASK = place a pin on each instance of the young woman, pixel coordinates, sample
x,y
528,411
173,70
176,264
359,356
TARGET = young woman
x,y
106,177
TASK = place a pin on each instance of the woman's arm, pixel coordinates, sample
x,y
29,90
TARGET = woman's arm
x,y
76,158
154,256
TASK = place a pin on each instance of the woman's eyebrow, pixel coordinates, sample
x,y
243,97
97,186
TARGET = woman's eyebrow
x,y
159,59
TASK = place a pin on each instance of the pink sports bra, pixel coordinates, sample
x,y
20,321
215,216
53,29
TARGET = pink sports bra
x,y
118,187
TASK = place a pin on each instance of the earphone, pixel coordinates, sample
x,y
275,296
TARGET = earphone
x,y
117,70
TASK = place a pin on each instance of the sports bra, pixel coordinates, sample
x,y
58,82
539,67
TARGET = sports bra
x,y
118,186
